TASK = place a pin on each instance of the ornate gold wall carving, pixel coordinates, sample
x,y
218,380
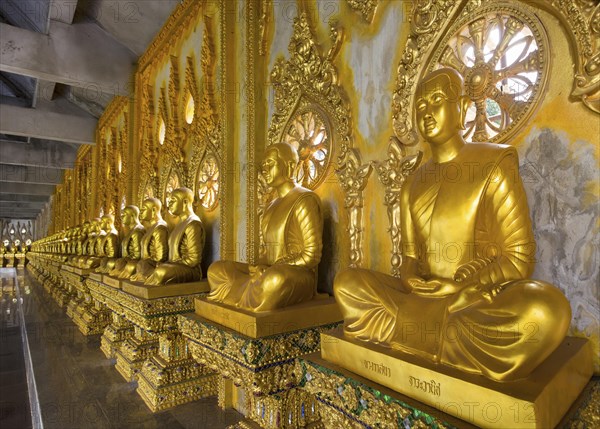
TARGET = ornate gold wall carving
x,y
111,158
178,129
366,8
582,18
312,114
432,24
393,172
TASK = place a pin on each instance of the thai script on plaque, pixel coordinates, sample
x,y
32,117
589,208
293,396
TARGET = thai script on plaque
x,y
426,386
377,367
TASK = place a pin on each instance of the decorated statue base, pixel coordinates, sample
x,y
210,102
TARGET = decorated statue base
x,y
151,312
92,316
120,328
172,377
61,293
74,278
538,401
115,334
293,408
19,261
346,400
318,312
257,372
134,351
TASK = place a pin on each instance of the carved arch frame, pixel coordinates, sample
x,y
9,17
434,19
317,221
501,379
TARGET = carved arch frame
x,y
308,81
430,21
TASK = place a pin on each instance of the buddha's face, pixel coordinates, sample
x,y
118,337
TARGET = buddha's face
x,y
126,217
106,223
176,204
146,212
438,109
273,169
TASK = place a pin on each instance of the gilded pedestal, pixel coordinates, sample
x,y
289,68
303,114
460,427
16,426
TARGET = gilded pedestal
x,y
74,278
172,377
258,371
115,334
538,401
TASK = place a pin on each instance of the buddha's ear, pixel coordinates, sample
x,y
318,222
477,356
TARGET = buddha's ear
x,y
464,103
291,170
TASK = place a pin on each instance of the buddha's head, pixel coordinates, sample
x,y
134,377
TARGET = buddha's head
x,y
130,216
107,222
279,163
150,210
180,201
95,226
441,105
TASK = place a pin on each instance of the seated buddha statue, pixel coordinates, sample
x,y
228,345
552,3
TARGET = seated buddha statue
x,y
80,235
131,249
186,242
107,248
154,244
88,249
292,227
464,297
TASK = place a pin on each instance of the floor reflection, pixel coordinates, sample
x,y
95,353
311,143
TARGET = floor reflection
x,y
77,386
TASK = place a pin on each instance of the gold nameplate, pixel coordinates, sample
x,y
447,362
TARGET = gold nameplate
x,y
80,271
96,276
538,401
150,292
111,281
309,314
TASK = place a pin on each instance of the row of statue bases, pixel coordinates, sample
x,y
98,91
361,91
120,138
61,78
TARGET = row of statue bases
x,y
473,338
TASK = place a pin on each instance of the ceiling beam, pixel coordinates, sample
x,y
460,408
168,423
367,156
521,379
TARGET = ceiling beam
x,y
15,205
22,174
17,215
63,10
31,14
69,54
16,89
47,122
26,188
38,153
17,198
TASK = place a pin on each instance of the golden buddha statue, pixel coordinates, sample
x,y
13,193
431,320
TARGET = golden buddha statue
x,y
463,297
131,249
107,248
186,243
292,228
154,244
79,237
88,246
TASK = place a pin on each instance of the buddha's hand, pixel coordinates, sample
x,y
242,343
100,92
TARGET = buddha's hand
x,y
256,271
468,296
437,287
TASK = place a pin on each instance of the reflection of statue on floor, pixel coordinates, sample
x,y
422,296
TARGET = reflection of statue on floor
x,y
292,228
155,242
186,243
131,249
464,297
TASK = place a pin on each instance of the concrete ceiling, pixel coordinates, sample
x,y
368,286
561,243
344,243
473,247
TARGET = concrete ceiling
x,y
61,63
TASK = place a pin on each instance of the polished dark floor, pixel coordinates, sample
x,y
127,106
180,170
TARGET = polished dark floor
x,y
77,386
14,401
